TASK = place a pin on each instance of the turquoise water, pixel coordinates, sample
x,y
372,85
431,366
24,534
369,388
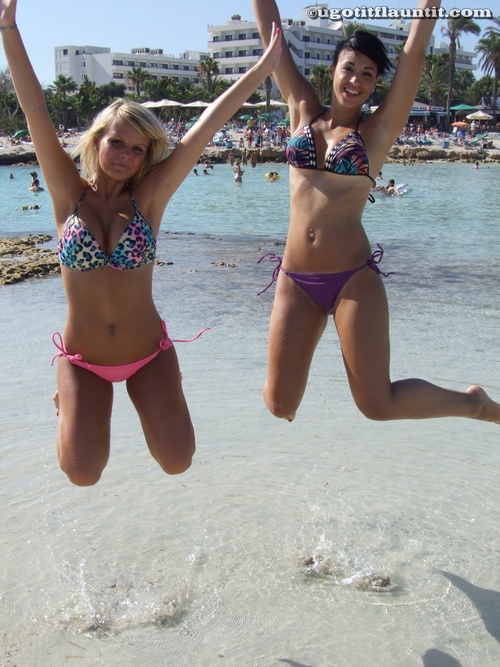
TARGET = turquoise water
x,y
259,552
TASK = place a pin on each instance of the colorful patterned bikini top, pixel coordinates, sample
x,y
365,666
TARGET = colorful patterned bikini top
x,y
78,248
348,157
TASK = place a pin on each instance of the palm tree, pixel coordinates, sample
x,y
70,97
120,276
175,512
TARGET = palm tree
x,y
434,83
208,68
137,77
489,48
453,31
321,82
8,97
268,86
350,27
65,84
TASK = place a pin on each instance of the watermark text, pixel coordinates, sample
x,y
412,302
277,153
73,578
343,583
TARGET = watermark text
x,y
381,12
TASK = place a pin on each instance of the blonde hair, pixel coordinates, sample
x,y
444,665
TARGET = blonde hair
x,y
141,119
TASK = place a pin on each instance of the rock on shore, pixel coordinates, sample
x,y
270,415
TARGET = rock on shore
x,y
21,258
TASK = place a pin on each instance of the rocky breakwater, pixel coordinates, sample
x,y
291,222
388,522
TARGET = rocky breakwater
x,y
22,258
426,153
221,155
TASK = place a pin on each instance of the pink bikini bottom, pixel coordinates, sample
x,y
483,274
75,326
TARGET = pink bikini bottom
x,y
116,373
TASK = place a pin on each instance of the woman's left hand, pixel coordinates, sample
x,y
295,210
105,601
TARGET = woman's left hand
x,y
271,58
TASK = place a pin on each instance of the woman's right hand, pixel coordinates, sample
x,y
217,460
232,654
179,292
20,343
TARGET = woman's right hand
x,y
7,13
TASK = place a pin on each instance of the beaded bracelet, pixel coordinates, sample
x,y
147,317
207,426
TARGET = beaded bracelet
x,y
10,27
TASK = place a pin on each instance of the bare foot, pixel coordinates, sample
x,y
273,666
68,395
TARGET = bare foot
x,y
55,399
488,410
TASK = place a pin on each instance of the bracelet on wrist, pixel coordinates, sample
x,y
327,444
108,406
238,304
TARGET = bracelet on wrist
x,y
9,27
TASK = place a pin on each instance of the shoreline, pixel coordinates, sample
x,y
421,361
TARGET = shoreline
x,y
24,155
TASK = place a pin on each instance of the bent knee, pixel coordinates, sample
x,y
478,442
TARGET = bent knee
x,y
280,407
176,463
81,475
375,409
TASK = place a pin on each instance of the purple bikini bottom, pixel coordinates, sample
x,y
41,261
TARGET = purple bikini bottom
x,y
323,288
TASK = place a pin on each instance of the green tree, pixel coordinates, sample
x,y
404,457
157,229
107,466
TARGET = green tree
x,y
350,27
434,84
483,87
137,76
65,84
208,68
455,28
489,49
321,82
8,102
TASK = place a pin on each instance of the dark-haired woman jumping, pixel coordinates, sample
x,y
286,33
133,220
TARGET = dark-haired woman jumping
x,y
328,266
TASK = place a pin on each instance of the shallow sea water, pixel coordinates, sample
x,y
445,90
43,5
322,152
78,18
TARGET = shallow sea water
x,y
268,551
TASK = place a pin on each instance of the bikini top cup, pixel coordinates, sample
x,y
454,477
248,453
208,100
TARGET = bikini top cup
x,y
348,157
78,248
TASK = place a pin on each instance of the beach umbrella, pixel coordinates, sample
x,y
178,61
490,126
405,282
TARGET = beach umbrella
x,y
189,125
480,115
245,117
285,121
462,107
197,104
21,133
460,123
194,118
266,116
248,105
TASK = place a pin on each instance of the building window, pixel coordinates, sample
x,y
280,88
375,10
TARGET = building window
x,y
257,52
242,70
229,54
153,64
117,62
164,65
175,66
318,57
228,38
307,54
255,35
117,75
84,76
130,63
185,78
229,70
216,55
142,64
216,38
186,68
83,64
65,52
196,80
242,36
306,38
242,54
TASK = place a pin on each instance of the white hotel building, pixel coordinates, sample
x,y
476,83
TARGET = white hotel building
x,y
237,46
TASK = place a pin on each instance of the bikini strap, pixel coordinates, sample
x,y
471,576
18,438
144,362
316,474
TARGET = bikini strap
x,y
375,259
133,200
275,259
81,199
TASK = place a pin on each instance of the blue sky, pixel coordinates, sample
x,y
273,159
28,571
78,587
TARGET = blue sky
x,y
172,26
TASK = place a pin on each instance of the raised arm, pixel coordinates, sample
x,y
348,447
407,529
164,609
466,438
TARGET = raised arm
x,y
294,87
59,171
391,116
161,183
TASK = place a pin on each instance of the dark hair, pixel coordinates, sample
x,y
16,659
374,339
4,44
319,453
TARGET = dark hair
x,y
367,44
